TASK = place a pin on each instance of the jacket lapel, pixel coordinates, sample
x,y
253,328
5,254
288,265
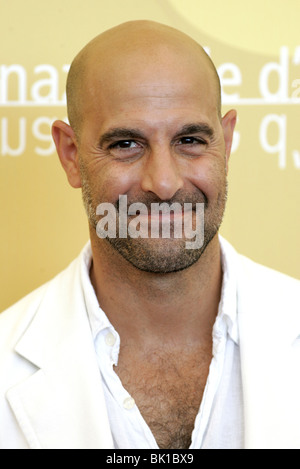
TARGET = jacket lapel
x,y
61,405
270,357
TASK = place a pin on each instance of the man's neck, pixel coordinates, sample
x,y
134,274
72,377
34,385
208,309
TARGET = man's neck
x,y
145,307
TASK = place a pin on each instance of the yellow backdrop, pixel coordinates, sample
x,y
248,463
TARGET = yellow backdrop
x,y
256,48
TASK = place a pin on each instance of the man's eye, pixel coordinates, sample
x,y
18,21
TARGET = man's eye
x,y
124,145
125,149
192,147
191,141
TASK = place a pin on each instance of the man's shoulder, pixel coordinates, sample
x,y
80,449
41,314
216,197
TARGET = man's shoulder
x,y
17,317
259,279
265,276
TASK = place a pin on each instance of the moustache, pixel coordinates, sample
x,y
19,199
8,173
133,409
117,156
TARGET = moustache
x,y
181,198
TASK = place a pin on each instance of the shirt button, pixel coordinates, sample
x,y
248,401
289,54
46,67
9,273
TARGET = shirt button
x,y
128,403
110,339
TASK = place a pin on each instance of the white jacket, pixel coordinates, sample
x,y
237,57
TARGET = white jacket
x,y
50,388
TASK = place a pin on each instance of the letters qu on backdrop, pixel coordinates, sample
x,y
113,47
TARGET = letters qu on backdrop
x,y
43,224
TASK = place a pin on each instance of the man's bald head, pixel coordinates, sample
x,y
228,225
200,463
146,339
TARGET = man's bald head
x,y
146,41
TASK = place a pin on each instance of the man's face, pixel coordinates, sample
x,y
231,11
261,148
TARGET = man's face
x,y
151,131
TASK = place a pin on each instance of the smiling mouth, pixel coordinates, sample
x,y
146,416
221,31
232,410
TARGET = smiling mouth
x,y
162,221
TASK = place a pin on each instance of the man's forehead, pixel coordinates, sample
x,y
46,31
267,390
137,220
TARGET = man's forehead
x,y
152,118
163,73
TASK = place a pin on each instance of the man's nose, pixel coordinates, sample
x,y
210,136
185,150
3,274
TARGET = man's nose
x,y
161,174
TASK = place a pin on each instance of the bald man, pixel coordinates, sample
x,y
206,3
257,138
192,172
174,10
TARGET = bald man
x,y
151,338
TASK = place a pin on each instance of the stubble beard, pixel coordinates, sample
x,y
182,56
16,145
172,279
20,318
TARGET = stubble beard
x,y
160,255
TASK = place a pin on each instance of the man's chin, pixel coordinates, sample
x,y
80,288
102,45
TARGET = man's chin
x,y
159,256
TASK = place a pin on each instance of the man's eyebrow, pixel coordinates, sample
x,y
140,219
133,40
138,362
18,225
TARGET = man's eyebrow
x,y
196,128
119,133
123,133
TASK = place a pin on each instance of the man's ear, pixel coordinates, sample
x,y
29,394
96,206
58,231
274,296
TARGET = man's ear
x,y
66,146
228,125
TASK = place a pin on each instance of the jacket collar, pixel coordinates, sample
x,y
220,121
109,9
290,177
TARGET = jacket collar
x,y
61,405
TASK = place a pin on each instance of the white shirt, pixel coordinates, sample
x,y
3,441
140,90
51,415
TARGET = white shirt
x,y
219,423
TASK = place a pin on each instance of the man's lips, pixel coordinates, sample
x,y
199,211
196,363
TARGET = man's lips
x,y
164,217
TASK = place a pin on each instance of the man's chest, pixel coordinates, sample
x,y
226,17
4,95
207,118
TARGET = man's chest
x,y
168,390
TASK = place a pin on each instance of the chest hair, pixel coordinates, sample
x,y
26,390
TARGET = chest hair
x,y
168,390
